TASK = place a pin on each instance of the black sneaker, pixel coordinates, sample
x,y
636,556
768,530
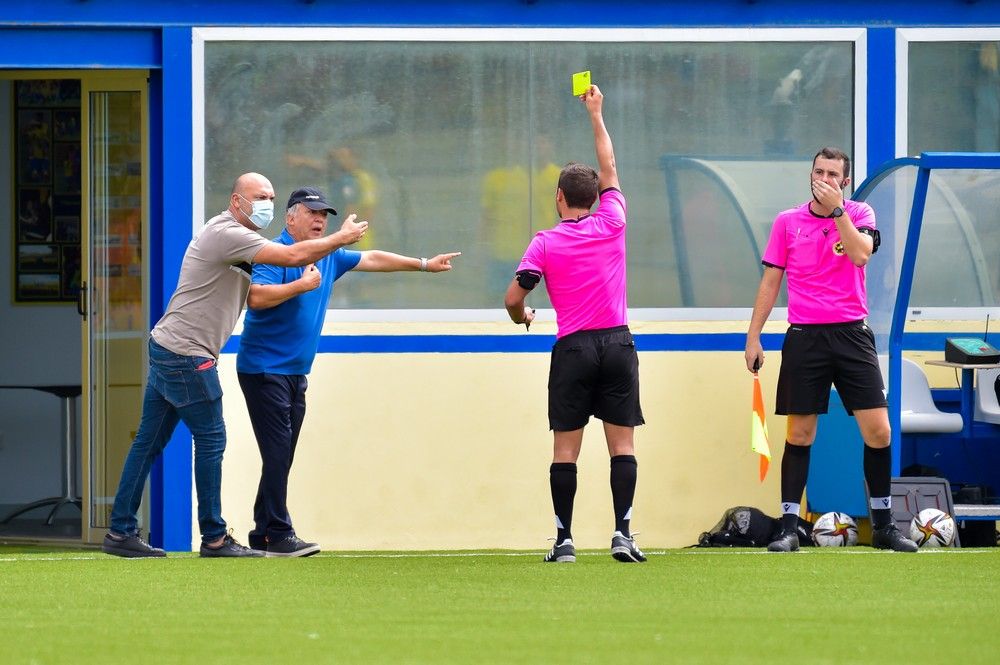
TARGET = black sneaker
x,y
132,547
257,541
292,546
564,552
624,549
788,541
889,538
228,548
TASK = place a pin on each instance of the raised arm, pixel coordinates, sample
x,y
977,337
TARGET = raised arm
x,y
607,174
376,260
310,251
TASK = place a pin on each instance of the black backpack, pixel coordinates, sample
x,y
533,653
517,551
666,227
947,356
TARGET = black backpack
x,y
743,526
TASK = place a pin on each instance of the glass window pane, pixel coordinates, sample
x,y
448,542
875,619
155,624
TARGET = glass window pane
x,y
959,81
959,241
457,146
892,200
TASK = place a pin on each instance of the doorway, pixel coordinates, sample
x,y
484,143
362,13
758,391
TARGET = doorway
x,y
80,312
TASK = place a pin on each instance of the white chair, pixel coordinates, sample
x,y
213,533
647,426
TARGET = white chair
x,y
918,412
987,409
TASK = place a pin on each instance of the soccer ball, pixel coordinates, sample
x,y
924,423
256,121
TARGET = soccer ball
x,y
835,530
932,528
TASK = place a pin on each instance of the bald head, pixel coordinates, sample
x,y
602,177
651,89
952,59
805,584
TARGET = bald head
x,y
250,181
248,188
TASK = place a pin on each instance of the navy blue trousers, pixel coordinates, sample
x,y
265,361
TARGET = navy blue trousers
x,y
277,406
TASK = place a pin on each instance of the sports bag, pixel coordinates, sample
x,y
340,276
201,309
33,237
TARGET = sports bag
x,y
744,526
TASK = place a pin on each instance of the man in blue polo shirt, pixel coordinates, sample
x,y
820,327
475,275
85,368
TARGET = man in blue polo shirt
x,y
286,309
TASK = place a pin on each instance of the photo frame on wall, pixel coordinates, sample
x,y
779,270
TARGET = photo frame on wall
x,y
46,201
42,287
68,229
66,125
34,147
66,165
34,214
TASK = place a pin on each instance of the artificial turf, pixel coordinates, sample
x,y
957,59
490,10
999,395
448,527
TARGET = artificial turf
x,y
826,605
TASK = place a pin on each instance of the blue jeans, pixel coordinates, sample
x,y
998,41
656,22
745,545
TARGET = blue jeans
x,y
178,388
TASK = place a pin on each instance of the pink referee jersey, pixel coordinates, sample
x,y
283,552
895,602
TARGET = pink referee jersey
x,y
824,286
583,263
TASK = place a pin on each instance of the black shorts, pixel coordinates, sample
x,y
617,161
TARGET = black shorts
x,y
815,356
594,373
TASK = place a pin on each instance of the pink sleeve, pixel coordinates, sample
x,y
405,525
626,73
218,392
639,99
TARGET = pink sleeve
x,y
776,252
863,217
611,206
534,256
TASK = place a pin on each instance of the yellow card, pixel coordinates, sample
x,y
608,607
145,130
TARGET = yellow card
x,y
581,83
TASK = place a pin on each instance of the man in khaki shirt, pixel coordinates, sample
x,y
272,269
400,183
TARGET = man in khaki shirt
x,y
183,382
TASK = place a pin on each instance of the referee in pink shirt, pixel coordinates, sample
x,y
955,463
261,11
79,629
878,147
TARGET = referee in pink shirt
x,y
822,246
594,368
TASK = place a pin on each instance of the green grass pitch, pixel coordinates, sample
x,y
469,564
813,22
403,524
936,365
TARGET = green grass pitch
x,y
850,605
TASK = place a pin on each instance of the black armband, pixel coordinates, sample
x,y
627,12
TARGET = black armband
x,y
528,279
876,237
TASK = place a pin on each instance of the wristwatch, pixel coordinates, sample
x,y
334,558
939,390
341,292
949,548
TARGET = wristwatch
x,y
837,212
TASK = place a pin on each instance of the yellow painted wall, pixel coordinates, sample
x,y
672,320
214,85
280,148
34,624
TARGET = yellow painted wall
x,y
448,451
443,451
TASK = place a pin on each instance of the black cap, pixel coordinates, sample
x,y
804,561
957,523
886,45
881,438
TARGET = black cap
x,y
311,198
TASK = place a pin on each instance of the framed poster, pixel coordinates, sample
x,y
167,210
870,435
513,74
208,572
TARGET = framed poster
x,y
47,183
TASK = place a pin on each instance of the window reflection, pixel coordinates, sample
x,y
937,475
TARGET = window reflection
x,y
959,81
458,144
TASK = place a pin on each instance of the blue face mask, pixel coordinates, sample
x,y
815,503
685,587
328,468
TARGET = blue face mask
x,y
262,212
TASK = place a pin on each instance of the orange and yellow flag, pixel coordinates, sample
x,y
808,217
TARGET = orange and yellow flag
x,y
758,429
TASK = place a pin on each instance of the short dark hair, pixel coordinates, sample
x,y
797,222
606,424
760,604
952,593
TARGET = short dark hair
x,y
578,183
830,152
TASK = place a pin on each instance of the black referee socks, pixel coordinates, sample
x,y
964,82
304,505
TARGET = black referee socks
x,y
623,474
878,475
562,482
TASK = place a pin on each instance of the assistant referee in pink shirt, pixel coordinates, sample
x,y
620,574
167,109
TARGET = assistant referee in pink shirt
x,y
822,246
594,367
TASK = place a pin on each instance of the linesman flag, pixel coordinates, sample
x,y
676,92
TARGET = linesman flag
x,y
758,429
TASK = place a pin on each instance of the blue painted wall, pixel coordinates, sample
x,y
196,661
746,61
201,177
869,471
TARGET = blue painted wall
x,y
663,13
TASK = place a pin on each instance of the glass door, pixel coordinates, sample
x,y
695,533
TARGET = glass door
x,y
113,301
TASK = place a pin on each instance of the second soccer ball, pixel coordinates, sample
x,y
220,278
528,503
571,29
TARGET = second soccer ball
x,y
835,530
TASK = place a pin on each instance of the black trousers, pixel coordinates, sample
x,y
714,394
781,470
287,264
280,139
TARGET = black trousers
x,y
277,406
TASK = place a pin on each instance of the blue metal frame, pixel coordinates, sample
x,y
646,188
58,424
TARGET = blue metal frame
x,y
33,47
881,108
170,488
103,48
926,163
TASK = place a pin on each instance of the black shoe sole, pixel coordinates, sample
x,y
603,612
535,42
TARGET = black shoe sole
x,y
563,558
259,555
305,551
626,557
132,554
890,548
